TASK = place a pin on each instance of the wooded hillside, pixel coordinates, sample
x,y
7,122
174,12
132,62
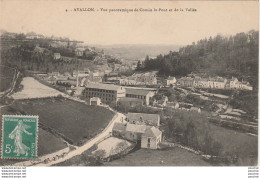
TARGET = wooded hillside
x,y
224,56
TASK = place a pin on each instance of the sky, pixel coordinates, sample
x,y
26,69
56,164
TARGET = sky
x,y
178,28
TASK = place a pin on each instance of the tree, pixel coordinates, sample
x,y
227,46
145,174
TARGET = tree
x,y
139,66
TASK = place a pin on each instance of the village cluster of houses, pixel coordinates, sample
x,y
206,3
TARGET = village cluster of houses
x,y
141,79
213,82
119,95
129,97
140,128
164,102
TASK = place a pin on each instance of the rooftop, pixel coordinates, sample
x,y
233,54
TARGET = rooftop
x,y
171,78
130,99
95,99
186,78
135,91
136,128
150,118
152,132
103,86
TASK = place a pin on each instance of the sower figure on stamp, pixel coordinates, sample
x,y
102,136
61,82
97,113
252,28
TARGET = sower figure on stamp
x,y
16,134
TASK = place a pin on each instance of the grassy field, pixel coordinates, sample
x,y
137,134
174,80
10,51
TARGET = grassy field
x,y
170,157
246,146
6,77
76,121
34,89
232,142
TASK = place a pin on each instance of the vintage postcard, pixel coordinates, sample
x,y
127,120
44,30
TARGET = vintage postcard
x,y
129,83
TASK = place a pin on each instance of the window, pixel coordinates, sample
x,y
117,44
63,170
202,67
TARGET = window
x,y
148,142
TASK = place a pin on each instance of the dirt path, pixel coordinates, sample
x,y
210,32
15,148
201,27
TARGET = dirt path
x,y
81,149
89,144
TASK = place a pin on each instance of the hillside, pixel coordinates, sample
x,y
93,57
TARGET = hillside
x,y
27,53
224,56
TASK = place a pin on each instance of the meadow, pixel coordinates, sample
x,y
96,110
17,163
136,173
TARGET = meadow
x,y
74,121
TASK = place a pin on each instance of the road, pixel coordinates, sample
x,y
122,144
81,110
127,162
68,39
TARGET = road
x,y
89,144
81,149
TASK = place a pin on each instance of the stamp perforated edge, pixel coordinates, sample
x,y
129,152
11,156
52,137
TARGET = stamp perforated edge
x,y
2,140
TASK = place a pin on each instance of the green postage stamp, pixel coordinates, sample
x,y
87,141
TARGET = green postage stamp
x,y
19,136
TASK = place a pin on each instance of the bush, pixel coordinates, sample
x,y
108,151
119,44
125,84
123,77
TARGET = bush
x,y
190,130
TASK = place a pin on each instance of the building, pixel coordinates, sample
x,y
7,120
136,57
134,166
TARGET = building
x,y
148,136
202,83
80,73
174,105
151,138
235,84
134,132
185,82
139,79
195,109
247,86
127,81
56,56
143,119
98,73
51,79
217,82
54,74
162,102
106,92
130,102
95,101
142,94
148,78
79,51
171,81
119,130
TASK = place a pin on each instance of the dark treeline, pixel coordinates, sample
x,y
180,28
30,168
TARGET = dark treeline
x,y
224,56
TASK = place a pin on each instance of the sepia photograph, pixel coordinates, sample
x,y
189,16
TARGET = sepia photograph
x,y
129,83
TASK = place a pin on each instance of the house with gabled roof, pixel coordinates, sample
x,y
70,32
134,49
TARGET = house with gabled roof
x,y
95,101
162,102
79,51
195,109
130,102
143,119
174,104
119,129
148,136
171,81
142,94
151,138
134,132
56,56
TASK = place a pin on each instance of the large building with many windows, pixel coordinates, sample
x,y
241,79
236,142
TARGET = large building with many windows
x,y
106,92
143,94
